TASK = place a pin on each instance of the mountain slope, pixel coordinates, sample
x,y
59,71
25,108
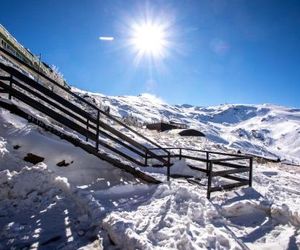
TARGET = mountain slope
x,y
265,130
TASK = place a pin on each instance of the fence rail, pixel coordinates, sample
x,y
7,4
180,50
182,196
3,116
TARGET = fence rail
x,y
237,164
92,127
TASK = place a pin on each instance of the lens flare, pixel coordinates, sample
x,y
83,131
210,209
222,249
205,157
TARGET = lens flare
x,y
149,39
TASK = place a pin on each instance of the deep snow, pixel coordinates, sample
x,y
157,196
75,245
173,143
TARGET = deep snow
x,y
91,204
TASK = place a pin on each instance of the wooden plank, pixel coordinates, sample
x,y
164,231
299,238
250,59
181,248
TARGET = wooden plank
x,y
121,143
76,96
235,178
73,107
47,78
4,78
194,158
45,99
231,165
48,111
57,98
231,171
231,159
46,91
209,180
228,186
201,151
63,120
76,142
198,169
131,141
164,156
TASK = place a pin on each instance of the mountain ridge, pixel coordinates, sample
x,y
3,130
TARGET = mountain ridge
x,y
267,130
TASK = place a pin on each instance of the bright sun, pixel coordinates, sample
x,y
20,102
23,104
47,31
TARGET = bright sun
x,y
149,39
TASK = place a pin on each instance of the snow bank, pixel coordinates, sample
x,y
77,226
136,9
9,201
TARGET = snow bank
x,y
3,149
180,167
29,182
176,217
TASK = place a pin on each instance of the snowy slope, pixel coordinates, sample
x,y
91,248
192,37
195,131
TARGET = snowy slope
x,y
90,204
265,130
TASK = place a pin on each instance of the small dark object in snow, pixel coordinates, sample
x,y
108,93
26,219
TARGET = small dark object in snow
x,y
53,239
63,163
32,158
239,151
191,132
17,146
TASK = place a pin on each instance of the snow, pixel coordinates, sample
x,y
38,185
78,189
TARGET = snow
x,y
180,167
90,204
264,130
176,217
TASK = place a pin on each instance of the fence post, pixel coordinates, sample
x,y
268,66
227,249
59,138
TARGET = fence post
x,y
146,157
97,131
250,171
168,167
10,86
87,127
207,162
180,155
210,165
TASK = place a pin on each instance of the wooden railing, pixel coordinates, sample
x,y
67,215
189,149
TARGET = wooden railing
x,y
90,125
237,164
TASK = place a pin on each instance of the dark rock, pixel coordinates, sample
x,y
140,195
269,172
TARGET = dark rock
x,y
50,240
32,158
63,163
191,132
17,146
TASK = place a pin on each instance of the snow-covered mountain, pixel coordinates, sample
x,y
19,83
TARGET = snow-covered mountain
x,y
89,204
73,200
265,130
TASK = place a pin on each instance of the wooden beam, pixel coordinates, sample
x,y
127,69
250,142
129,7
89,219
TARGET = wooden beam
x,y
235,178
231,159
231,171
77,142
228,186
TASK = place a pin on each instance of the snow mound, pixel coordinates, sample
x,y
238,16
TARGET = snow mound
x,y
176,217
29,182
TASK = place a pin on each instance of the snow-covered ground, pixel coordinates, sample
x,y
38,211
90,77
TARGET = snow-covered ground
x,y
90,204
265,130
73,200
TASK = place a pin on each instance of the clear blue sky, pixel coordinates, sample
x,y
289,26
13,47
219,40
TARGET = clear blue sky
x,y
237,51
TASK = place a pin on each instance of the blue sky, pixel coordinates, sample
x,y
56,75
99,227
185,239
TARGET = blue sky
x,y
236,51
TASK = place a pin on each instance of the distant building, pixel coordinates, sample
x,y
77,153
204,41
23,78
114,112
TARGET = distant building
x,y
11,45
